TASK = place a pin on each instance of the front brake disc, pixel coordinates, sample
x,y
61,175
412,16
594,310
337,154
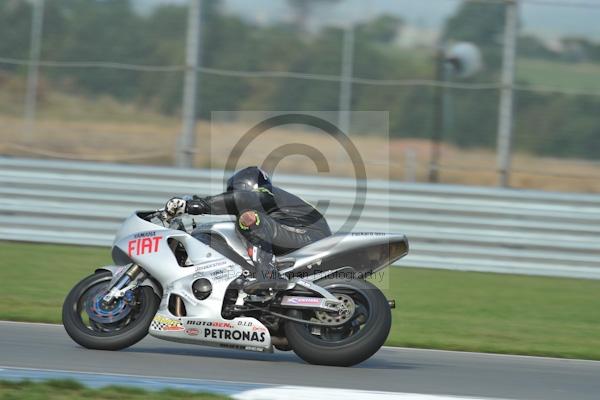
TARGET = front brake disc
x,y
105,314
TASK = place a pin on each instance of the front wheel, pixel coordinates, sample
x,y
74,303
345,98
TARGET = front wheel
x,y
95,325
359,337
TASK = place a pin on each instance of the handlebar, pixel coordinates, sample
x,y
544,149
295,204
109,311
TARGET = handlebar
x,y
149,215
160,214
167,220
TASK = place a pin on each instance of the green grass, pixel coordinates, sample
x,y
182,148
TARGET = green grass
x,y
71,390
561,75
496,313
435,309
34,279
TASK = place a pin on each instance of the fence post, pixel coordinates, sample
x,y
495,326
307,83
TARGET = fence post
x,y
505,111
37,22
345,99
440,122
187,141
410,165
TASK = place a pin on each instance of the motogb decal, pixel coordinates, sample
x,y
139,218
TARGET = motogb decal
x,y
216,324
140,246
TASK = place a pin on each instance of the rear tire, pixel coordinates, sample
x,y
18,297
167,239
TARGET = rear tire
x,y
286,347
360,344
135,328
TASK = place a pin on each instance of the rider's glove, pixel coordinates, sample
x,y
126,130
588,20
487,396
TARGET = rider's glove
x,y
197,206
175,206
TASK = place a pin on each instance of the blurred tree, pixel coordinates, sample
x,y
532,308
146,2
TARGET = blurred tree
x,y
15,27
578,49
166,30
531,46
320,56
383,29
81,33
558,125
302,9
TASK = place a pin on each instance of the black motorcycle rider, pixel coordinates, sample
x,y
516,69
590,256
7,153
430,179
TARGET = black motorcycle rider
x,y
272,220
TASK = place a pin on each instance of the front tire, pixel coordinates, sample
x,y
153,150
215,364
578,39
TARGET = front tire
x,y
356,340
130,324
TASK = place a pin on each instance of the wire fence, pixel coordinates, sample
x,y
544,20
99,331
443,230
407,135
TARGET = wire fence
x,y
298,75
126,108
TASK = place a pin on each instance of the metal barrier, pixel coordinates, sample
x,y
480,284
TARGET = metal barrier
x,y
449,227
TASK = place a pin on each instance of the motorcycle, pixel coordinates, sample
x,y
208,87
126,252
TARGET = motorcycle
x,y
188,287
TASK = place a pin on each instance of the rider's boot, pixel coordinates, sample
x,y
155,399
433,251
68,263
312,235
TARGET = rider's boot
x,y
267,275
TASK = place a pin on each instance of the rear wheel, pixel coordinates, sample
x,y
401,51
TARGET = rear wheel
x,y
283,347
360,335
95,325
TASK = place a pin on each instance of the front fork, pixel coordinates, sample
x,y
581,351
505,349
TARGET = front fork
x,y
122,283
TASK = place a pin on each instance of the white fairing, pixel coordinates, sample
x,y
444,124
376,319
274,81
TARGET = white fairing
x,y
147,245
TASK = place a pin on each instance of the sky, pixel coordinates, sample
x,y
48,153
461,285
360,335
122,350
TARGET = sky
x,y
546,20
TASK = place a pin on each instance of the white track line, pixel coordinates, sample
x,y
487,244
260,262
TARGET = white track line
x,y
264,391
314,393
107,374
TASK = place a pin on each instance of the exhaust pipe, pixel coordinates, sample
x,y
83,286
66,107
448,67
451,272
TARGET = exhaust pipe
x,y
392,303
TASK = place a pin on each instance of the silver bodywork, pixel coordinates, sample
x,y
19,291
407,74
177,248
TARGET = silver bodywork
x,y
148,245
313,255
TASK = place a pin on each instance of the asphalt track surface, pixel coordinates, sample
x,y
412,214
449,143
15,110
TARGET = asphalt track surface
x,y
43,347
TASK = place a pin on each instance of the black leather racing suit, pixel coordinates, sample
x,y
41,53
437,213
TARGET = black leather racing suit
x,y
284,222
